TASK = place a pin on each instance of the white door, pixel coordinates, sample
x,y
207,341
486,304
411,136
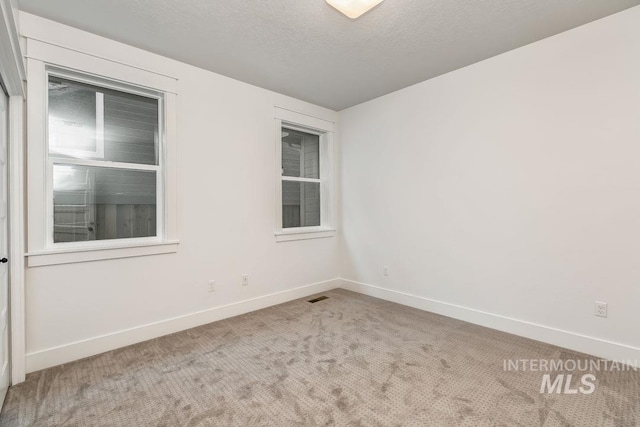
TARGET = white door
x,y
4,266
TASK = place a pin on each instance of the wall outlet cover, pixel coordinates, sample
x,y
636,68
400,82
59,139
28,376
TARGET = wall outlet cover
x,y
601,309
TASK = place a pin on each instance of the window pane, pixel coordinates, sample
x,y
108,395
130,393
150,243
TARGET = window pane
x,y
300,204
90,122
95,203
300,154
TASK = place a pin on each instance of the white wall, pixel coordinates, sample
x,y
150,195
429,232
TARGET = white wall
x,y
510,187
226,220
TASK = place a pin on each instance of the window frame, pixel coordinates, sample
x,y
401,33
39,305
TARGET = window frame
x,y
56,160
325,130
44,60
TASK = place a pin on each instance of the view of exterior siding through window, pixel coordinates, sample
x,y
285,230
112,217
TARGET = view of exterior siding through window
x,y
94,134
300,179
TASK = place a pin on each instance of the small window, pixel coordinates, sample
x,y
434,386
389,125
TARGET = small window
x,y
300,179
304,177
104,151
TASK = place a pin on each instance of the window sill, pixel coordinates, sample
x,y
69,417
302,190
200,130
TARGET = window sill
x,y
302,234
68,256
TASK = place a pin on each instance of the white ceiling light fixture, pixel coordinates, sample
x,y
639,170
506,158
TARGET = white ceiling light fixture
x,y
354,8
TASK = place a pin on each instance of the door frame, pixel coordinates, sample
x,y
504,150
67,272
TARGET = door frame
x,y
12,74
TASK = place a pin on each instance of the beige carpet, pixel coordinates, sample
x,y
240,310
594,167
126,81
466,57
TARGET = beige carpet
x,y
350,360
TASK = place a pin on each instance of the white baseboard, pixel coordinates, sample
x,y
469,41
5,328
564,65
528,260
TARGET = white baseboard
x,y
573,341
78,350
570,340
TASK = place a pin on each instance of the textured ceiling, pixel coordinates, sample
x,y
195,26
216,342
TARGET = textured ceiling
x,y
306,49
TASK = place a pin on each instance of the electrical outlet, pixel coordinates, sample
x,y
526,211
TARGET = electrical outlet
x,y
212,285
385,270
601,309
245,279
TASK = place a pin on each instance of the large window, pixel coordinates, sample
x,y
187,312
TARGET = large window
x,y
304,177
105,163
101,158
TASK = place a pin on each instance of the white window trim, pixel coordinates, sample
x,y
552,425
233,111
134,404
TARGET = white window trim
x,y
325,129
42,59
